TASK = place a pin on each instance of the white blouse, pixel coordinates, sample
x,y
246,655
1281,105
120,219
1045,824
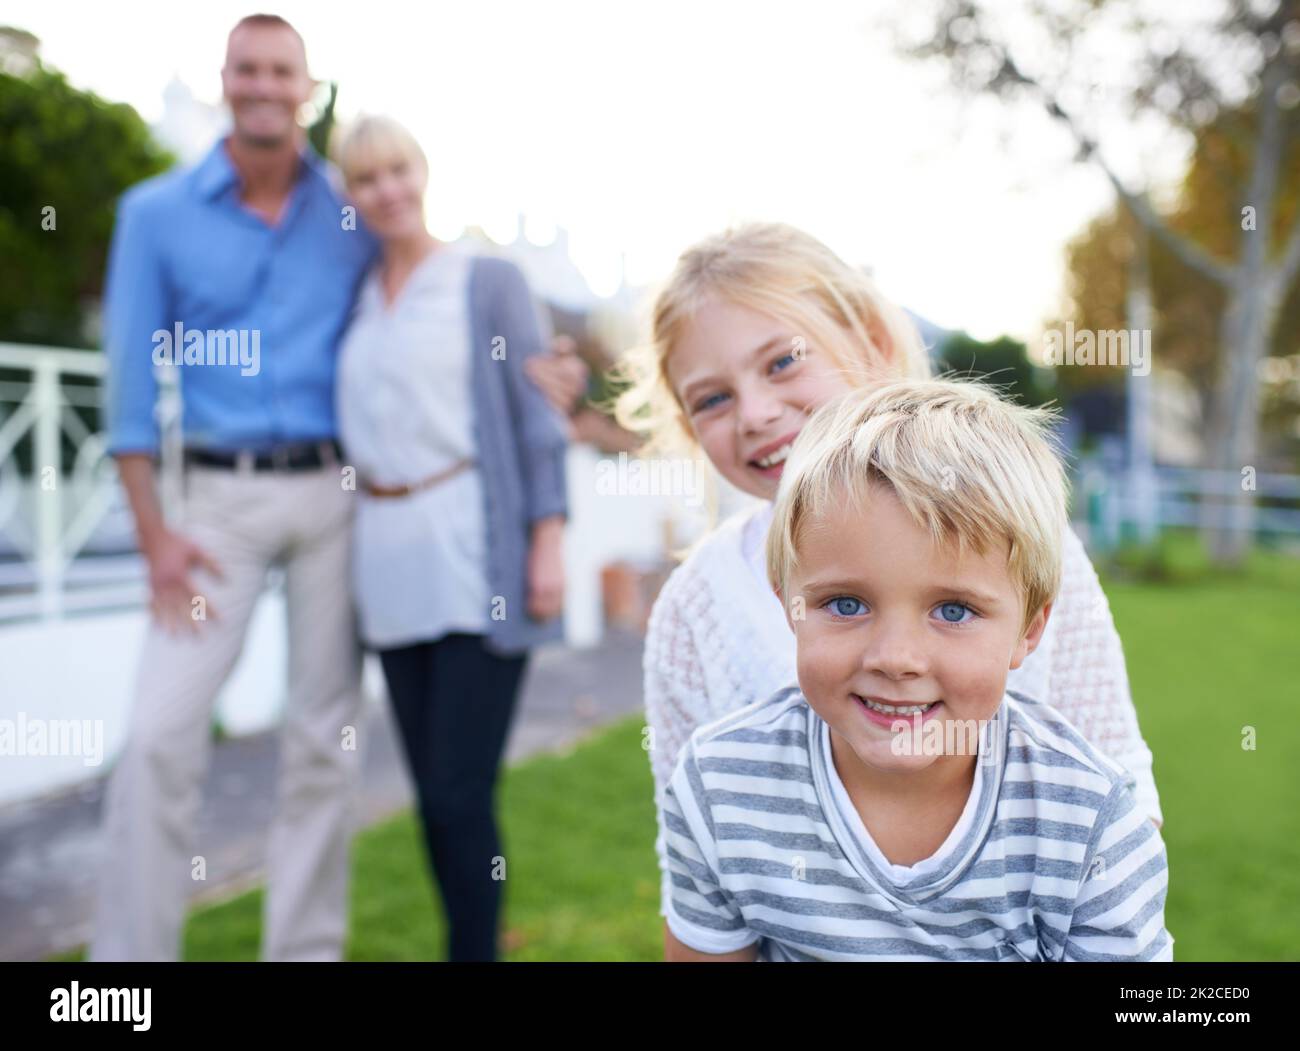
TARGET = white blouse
x,y
405,413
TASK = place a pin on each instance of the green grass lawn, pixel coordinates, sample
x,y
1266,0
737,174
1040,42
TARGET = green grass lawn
x,y
581,878
1207,656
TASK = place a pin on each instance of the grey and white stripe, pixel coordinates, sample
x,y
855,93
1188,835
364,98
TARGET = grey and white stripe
x,y
1055,862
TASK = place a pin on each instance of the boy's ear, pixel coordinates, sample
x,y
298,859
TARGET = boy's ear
x,y
780,597
1032,637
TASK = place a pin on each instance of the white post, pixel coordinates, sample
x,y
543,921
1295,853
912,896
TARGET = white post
x,y
47,469
1141,466
591,520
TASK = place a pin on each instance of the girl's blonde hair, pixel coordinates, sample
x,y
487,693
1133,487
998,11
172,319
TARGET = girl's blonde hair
x,y
780,271
371,138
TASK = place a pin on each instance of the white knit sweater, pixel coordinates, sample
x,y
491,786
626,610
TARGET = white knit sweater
x,y
718,640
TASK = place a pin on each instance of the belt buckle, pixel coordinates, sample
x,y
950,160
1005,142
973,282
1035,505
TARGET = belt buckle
x,y
244,461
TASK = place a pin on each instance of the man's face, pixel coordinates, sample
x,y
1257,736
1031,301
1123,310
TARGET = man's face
x,y
265,82
891,619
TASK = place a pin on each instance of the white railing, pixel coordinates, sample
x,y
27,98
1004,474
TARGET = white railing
x,y
66,542
1118,502
68,546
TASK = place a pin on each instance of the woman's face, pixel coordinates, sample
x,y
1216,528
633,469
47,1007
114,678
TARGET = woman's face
x,y
747,382
389,194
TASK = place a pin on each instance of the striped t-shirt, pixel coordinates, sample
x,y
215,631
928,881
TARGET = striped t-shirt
x,y
1051,859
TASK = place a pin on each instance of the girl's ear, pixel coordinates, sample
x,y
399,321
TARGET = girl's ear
x,y
1032,637
880,336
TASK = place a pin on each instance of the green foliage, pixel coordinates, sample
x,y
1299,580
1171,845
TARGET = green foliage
x,y
319,133
71,151
605,387
1171,558
1003,363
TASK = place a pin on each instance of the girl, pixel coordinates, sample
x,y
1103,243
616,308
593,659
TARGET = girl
x,y
755,330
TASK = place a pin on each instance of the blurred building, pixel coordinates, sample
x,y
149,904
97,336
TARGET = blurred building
x,y
188,125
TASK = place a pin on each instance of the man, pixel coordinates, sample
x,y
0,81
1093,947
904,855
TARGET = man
x,y
241,270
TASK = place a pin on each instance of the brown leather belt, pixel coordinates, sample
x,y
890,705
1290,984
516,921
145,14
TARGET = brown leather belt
x,y
406,490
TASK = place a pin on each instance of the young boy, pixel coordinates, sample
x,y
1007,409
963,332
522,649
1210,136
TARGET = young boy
x,y
898,803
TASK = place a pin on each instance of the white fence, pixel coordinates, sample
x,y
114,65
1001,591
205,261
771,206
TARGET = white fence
x,y
66,539
73,587
1118,502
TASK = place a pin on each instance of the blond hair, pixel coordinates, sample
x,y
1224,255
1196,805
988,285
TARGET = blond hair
x,y
784,273
972,469
373,139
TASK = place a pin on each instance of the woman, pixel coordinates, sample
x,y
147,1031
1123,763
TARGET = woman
x,y
755,330
457,548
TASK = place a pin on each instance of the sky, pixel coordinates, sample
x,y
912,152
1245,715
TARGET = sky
x,y
640,128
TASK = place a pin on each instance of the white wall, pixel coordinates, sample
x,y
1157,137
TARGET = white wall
x,y
83,668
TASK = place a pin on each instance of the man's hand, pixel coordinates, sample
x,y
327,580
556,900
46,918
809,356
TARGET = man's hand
x,y
172,591
170,555
560,374
546,568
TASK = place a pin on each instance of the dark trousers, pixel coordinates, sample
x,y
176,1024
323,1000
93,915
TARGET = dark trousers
x,y
454,702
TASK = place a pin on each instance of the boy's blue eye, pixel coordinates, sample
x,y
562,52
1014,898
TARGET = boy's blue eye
x,y
952,612
708,402
845,606
782,362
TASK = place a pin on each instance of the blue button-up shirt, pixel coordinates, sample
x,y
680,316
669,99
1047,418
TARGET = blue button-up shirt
x,y
252,313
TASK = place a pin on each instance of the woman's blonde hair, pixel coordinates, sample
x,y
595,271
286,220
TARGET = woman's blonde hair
x,y
972,469
780,271
372,138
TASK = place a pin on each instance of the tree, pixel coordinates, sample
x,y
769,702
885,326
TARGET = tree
x,y
1188,306
1246,58
66,156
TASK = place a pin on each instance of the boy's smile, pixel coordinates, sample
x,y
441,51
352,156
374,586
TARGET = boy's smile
x,y
894,628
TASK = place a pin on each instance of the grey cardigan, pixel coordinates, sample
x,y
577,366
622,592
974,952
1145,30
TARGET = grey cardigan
x,y
521,442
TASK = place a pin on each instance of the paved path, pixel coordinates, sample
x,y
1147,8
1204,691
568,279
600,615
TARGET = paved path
x,y
49,847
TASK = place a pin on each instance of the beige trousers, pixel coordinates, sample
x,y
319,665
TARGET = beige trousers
x,y
247,521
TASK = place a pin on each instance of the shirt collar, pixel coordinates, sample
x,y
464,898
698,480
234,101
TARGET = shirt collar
x,y
216,173
847,828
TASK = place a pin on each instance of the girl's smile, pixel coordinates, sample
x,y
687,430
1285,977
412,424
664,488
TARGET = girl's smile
x,y
746,384
769,460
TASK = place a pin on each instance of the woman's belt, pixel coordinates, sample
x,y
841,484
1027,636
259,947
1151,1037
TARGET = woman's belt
x,y
372,489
